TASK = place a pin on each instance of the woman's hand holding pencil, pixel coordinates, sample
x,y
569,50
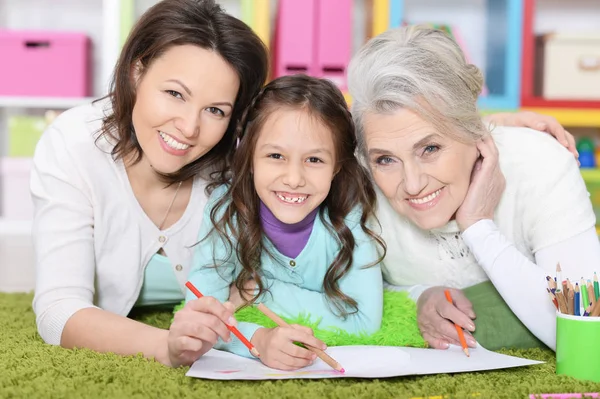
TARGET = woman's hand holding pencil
x,y
437,317
196,328
229,323
459,330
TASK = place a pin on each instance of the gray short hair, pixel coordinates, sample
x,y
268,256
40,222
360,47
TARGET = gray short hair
x,y
421,69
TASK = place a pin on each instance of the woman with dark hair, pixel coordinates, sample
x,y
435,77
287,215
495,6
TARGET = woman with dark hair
x,y
119,185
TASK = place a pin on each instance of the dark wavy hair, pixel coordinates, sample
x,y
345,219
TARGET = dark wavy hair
x,y
351,186
170,23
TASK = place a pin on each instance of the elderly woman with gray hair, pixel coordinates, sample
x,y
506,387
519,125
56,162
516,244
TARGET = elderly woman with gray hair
x,y
461,203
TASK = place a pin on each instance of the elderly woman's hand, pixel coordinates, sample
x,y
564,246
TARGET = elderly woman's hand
x,y
486,188
436,316
532,120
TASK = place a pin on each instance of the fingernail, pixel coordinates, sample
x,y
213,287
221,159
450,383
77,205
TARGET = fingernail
x,y
313,356
232,321
445,345
471,327
542,125
471,342
228,339
324,347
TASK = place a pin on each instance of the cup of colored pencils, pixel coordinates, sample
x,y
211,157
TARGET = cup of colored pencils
x,y
577,304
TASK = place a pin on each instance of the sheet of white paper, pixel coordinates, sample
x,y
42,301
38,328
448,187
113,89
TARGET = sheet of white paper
x,y
359,362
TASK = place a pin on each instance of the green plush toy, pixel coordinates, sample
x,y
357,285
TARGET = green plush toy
x,y
398,326
496,325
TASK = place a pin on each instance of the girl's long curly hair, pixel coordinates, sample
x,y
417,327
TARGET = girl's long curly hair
x,y
240,221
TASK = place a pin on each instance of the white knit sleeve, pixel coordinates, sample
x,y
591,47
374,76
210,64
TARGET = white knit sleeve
x,y
63,231
553,201
521,282
413,291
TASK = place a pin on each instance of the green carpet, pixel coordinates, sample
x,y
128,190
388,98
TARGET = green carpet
x,y
29,368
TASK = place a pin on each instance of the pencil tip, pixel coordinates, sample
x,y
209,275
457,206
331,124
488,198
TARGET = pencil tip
x,y
558,269
254,352
466,350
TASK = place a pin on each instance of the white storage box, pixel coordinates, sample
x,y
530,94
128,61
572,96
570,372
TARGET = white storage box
x,y
14,188
572,66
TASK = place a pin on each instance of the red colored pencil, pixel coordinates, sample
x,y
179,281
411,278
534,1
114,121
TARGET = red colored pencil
x,y
553,298
459,330
234,330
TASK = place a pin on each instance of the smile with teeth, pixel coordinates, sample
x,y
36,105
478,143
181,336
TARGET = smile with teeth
x,y
292,200
171,142
425,200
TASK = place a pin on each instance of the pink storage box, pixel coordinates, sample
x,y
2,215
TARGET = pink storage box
x,y
295,32
14,188
44,64
334,40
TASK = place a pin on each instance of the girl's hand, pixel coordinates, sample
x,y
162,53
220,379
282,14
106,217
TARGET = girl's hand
x,y
277,348
436,316
532,120
196,329
486,188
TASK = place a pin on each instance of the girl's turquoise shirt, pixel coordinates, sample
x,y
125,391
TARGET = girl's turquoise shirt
x,y
295,285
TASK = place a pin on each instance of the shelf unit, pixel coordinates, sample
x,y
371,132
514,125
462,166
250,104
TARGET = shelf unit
x,y
102,21
507,37
43,102
571,117
568,112
502,47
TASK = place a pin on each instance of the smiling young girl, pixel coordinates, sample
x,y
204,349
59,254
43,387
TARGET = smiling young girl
x,y
291,226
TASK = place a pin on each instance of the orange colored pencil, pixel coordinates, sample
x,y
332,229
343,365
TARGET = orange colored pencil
x,y
459,330
319,352
234,330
